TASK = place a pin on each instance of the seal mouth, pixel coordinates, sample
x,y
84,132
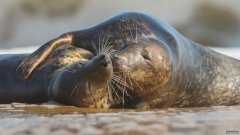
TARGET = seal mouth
x,y
105,64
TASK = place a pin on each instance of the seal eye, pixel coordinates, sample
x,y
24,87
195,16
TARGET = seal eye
x,y
146,57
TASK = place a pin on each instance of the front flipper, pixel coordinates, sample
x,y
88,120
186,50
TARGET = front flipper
x,y
31,62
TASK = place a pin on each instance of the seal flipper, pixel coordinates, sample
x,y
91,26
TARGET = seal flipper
x,y
32,61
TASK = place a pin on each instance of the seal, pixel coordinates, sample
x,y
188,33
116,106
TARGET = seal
x,y
70,75
195,77
156,66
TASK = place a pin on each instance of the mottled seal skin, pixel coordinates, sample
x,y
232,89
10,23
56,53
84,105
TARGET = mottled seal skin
x,y
197,77
68,75
156,65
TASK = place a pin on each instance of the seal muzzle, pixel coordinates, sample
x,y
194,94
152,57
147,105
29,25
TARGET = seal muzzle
x,y
104,60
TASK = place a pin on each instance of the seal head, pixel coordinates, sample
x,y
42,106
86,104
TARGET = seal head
x,y
83,84
147,67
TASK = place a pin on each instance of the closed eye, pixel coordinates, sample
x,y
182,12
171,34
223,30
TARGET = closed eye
x,y
146,57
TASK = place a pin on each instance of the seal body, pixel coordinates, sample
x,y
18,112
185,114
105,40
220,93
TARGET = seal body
x,y
156,66
69,75
197,77
12,90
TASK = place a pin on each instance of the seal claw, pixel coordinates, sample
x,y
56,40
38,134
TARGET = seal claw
x,y
19,72
24,69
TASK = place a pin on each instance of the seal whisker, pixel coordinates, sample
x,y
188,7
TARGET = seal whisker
x,y
108,47
131,85
105,45
99,44
126,74
94,46
123,89
112,51
130,81
123,82
104,48
117,97
114,91
109,90
137,85
120,81
102,45
117,77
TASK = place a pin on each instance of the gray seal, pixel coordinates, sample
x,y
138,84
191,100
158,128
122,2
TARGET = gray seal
x,y
70,75
157,67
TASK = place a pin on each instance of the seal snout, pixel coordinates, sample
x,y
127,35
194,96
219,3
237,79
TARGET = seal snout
x,y
104,60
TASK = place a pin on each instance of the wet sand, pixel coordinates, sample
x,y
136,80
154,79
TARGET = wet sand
x,y
22,119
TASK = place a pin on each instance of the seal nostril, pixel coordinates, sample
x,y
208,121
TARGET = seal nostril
x,y
104,60
102,56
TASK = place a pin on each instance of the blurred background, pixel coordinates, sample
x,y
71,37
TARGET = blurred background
x,y
214,23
